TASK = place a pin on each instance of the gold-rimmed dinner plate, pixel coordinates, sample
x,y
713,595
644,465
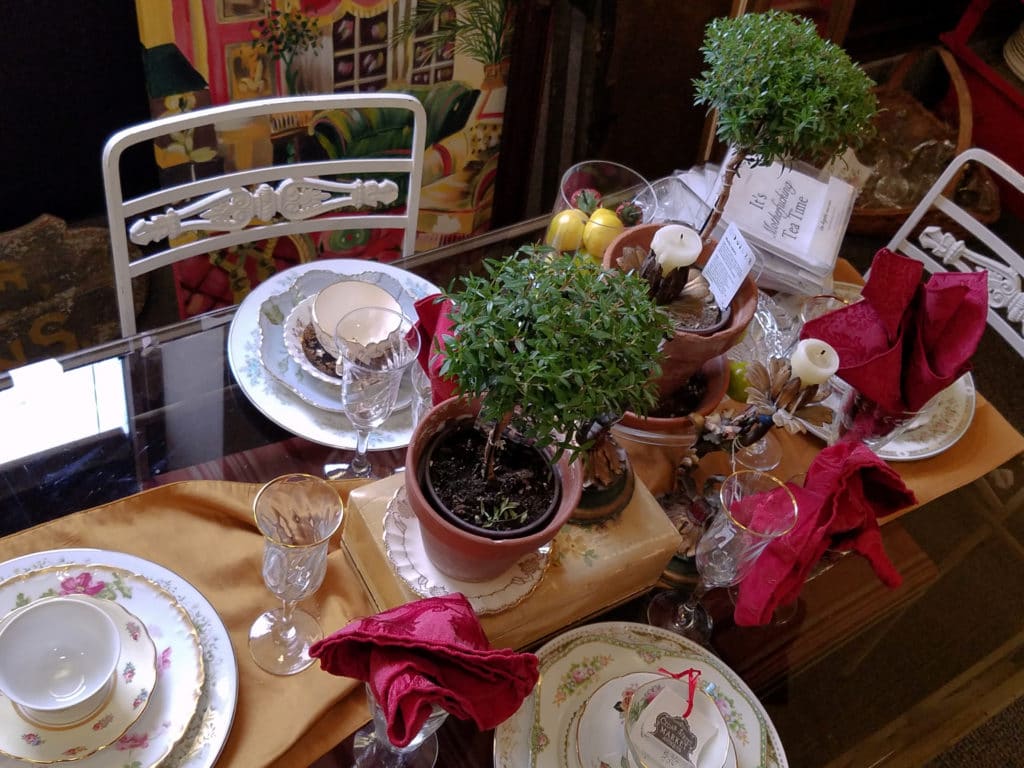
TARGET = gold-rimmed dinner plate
x,y
194,698
578,662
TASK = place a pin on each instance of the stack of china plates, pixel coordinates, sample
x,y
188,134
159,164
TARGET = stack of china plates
x,y
176,685
267,358
1013,52
576,716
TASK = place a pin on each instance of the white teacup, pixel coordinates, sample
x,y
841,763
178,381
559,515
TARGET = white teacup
x,y
338,299
58,657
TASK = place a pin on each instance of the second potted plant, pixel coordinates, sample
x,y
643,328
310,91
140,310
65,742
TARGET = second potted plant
x,y
548,351
780,92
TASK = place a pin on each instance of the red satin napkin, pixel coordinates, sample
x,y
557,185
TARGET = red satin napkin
x,y
847,489
906,341
430,651
435,325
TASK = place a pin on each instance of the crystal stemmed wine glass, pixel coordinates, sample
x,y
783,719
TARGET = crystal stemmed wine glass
x,y
297,515
371,747
756,508
376,346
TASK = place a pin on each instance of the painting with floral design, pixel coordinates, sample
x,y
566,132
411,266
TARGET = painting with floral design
x,y
452,56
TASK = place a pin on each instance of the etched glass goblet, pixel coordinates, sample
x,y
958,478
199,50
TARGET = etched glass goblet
x,y
756,508
297,515
375,347
371,747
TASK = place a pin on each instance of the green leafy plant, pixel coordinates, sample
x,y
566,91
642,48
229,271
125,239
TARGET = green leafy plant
x,y
552,344
283,35
506,512
478,29
781,93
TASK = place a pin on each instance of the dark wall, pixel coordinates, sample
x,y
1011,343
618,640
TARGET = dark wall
x,y
70,75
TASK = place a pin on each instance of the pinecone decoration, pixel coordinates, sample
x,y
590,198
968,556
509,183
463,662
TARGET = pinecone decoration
x,y
774,392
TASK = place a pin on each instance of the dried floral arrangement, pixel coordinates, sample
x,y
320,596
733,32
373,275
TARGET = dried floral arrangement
x,y
775,398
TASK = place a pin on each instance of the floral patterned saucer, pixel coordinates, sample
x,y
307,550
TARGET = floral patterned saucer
x,y
403,545
177,666
575,664
599,735
22,738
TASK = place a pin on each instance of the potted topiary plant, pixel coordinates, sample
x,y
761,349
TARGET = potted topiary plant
x,y
780,92
548,350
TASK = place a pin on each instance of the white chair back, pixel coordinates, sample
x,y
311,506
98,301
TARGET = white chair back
x,y
245,206
941,251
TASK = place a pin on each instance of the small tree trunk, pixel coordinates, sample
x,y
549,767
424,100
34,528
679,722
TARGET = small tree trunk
x,y
730,173
492,444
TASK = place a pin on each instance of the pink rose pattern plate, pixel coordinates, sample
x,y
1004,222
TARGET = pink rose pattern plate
x,y
178,667
135,676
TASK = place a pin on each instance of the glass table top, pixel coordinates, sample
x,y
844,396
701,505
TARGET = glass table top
x,y
857,676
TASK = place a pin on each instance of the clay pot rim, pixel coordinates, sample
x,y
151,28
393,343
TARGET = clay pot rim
x,y
570,475
717,371
539,524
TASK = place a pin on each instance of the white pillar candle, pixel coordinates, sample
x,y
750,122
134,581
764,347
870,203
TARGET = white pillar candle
x,y
675,246
813,361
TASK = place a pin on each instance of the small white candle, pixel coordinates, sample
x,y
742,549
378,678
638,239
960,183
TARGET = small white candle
x,y
813,361
675,246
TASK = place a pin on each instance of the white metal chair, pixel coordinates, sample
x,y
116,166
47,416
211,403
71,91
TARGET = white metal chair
x,y
941,251
245,206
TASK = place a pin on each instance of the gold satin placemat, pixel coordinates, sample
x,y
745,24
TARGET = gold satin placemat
x,y
204,531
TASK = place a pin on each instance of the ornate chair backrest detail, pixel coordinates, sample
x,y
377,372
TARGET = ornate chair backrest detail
x,y
941,251
249,205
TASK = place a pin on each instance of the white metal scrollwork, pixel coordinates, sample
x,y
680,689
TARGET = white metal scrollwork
x,y
234,209
1004,284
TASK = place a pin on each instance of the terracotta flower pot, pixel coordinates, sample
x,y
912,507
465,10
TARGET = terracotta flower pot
x,y
656,445
688,351
459,553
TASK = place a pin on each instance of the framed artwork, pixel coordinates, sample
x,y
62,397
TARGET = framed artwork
x,y
239,10
250,74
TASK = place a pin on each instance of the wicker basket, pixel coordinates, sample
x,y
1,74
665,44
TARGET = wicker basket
x,y
909,109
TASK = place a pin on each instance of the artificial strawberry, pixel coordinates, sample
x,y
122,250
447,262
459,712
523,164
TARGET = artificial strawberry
x,y
629,213
587,200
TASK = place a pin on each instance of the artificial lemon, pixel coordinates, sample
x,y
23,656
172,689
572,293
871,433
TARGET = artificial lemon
x,y
738,381
601,229
565,233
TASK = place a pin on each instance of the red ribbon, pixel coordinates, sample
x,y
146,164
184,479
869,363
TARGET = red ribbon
x,y
692,675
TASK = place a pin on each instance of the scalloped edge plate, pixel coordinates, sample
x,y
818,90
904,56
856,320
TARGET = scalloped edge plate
x,y
403,546
24,739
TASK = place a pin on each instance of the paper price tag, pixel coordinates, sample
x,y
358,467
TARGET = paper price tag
x,y
728,266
